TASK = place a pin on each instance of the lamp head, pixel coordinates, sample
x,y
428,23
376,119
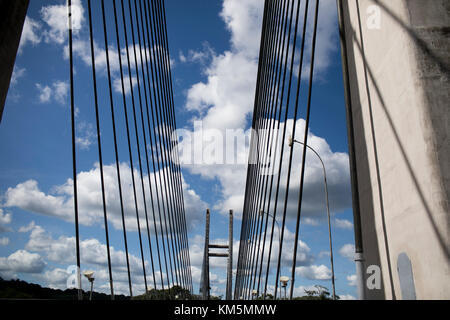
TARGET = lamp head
x,y
284,281
89,275
290,141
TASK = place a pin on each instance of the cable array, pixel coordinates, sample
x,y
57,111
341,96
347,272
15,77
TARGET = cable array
x,y
282,55
135,32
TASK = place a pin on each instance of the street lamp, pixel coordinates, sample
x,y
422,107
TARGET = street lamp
x,y
284,282
90,276
291,144
261,212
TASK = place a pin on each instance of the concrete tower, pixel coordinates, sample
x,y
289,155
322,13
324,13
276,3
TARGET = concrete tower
x,y
398,61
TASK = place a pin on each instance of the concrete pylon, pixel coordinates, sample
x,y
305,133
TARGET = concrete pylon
x,y
12,18
397,67
204,280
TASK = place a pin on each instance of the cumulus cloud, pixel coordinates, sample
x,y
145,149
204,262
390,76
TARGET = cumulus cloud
x,y
348,251
225,100
92,251
28,227
351,280
29,197
56,18
314,272
343,224
117,84
5,219
61,251
17,74
60,90
4,241
85,135
233,185
45,93
305,257
30,33
22,261
55,278
57,92
202,56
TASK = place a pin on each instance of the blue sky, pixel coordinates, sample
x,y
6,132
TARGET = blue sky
x,y
214,47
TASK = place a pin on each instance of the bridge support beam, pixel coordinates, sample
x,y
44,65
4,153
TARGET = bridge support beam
x,y
204,282
398,68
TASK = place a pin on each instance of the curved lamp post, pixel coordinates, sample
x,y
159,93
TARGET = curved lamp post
x,y
291,143
284,282
261,212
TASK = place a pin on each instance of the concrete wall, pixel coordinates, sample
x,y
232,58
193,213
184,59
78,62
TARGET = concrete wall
x,y
12,17
399,61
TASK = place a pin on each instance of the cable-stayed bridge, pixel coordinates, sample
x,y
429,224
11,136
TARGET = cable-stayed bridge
x,y
395,67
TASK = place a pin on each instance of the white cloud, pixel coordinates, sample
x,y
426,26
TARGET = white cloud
x,y
30,33
22,261
352,280
300,291
117,84
225,100
60,91
244,20
343,224
56,17
202,56
92,251
5,218
348,251
313,209
314,272
304,256
82,49
45,93
55,278
347,297
29,197
57,92
85,135
93,257
326,43
4,241
17,74
28,227
182,57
